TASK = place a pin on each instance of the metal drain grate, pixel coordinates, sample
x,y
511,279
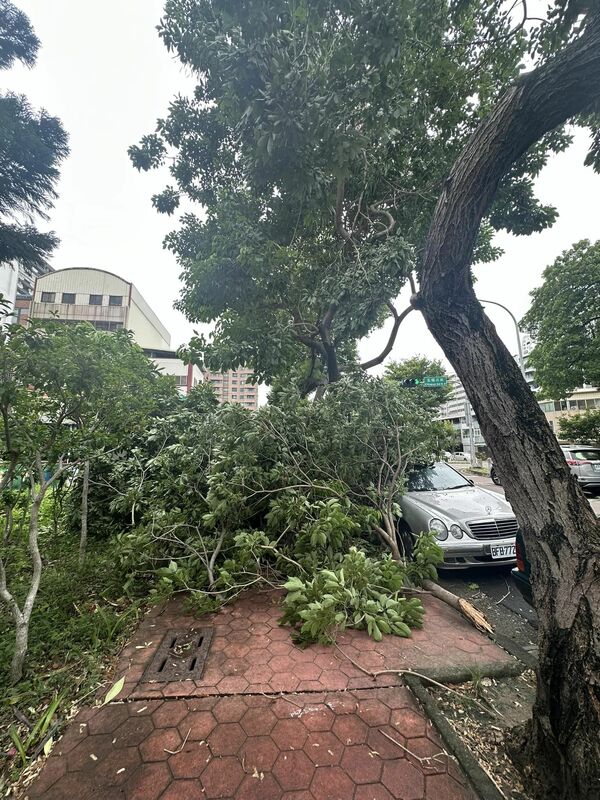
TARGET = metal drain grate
x,y
181,656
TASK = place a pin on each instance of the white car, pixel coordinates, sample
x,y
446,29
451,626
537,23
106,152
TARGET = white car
x,y
473,526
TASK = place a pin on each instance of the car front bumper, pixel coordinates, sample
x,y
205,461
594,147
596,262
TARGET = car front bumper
x,y
462,554
589,481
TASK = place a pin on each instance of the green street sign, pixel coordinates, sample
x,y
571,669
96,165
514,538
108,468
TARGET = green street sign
x,y
437,380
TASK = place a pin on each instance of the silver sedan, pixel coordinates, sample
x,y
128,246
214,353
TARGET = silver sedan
x,y
474,527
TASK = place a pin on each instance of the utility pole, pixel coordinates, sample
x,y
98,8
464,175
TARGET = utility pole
x,y
469,421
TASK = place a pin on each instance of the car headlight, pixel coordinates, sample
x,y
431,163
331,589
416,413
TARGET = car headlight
x,y
457,531
441,531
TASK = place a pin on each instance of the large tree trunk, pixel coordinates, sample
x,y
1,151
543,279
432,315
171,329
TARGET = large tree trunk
x,y
85,493
562,538
561,533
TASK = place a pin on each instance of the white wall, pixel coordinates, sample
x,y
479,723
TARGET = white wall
x,y
9,276
148,329
176,367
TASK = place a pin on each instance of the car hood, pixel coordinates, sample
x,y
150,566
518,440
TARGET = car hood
x,y
468,503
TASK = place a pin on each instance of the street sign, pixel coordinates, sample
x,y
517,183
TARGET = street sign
x,y
436,380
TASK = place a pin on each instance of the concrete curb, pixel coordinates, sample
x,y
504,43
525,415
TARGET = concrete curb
x,y
515,649
464,673
476,775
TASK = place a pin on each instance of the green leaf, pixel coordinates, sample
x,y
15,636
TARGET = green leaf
x,y
114,691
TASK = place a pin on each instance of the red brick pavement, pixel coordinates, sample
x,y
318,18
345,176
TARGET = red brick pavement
x,y
268,720
253,747
251,653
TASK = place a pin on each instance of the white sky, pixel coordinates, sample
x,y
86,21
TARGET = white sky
x,y
103,70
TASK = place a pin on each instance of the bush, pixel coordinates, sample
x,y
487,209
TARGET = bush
x,y
362,593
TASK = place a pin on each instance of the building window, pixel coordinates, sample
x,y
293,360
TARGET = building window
x,y
115,300
68,298
95,299
181,380
48,297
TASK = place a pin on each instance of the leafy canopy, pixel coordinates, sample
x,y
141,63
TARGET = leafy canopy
x,y
565,322
317,140
581,428
33,144
421,367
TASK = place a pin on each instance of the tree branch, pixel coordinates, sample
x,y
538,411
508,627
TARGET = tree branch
x,y
339,208
537,103
398,319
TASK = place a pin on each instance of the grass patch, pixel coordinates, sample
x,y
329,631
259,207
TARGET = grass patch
x,y
80,620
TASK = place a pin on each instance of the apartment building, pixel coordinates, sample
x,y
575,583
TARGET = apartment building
x,y
233,387
110,303
187,376
101,298
585,399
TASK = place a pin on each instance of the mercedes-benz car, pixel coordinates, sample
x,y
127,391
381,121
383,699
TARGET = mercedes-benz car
x,y
473,526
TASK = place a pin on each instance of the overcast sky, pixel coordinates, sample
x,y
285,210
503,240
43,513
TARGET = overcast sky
x,y
103,70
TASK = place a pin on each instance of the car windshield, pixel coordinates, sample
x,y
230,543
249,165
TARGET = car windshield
x,y
586,455
437,477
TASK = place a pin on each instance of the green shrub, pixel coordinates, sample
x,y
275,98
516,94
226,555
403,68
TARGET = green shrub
x,y
363,593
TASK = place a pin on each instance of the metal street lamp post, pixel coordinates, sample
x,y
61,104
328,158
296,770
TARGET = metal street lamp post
x,y
518,332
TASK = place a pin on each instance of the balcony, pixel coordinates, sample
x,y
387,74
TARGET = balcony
x,y
79,313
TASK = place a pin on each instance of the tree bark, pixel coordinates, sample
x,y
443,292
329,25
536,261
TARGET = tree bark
x,y
85,493
333,369
22,618
562,535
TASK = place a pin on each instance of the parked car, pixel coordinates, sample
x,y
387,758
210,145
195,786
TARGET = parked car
x,y
584,461
473,526
460,456
494,476
522,572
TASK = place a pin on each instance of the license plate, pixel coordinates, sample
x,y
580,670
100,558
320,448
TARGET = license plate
x,y
503,551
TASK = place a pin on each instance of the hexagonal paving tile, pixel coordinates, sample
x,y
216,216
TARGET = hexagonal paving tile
x,y
444,786
289,734
108,719
157,746
409,723
191,761
169,715
259,752
184,790
331,783
133,731
197,725
350,729
403,780
230,709
226,739
293,770
258,721
362,764
317,718
88,752
324,748
117,767
147,782
222,777
263,787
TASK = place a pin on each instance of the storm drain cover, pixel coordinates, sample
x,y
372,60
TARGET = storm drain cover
x,y
181,656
